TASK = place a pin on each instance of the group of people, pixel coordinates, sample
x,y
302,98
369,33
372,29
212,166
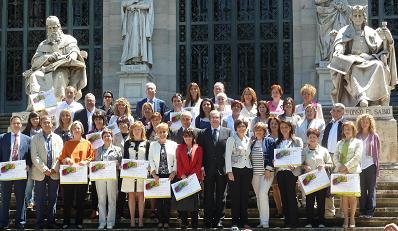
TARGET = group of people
x,y
229,144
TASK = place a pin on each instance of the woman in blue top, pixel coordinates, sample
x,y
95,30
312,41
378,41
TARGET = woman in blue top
x,y
203,120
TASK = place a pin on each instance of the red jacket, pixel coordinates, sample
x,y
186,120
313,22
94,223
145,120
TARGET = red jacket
x,y
186,167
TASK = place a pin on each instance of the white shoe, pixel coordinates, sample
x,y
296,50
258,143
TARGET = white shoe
x,y
308,226
101,227
321,226
109,227
263,226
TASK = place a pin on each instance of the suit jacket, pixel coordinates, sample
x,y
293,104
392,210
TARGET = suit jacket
x,y
154,155
24,148
158,106
213,153
81,115
186,166
176,135
327,131
39,156
355,149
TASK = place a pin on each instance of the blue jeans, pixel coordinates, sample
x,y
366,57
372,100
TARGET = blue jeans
x,y
46,189
29,194
19,190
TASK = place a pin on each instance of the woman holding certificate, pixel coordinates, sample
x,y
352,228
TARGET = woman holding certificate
x,y
239,170
189,161
347,159
107,189
316,157
287,176
369,163
135,148
163,163
262,155
77,151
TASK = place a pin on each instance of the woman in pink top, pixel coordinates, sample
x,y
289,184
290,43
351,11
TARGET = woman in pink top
x,y
275,105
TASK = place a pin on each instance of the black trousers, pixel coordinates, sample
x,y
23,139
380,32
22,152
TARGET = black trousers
x,y
121,200
215,185
194,217
93,196
239,191
320,201
74,193
287,186
163,206
367,201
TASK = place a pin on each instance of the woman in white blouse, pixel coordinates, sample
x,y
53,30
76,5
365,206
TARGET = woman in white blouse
x,y
249,100
310,121
122,108
239,169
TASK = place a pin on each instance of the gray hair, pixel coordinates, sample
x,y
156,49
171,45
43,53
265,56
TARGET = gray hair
x,y
215,113
150,84
339,105
186,113
89,95
219,84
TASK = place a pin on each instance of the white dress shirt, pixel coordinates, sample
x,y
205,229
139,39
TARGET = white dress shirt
x,y
90,119
332,139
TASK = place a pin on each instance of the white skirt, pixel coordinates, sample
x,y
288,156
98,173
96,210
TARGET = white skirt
x,y
129,185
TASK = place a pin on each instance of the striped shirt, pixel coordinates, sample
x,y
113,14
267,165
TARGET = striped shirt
x,y
257,158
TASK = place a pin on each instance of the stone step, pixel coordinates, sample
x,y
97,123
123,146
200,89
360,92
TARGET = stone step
x,y
335,224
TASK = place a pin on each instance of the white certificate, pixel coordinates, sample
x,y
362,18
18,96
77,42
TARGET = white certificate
x,y
186,187
157,190
134,169
345,185
314,181
43,100
102,170
73,174
287,156
13,170
175,119
95,139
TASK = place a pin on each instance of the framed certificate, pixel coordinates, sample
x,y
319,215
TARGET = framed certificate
x,y
284,157
314,181
345,185
175,119
134,169
95,139
161,189
186,187
13,170
73,174
102,170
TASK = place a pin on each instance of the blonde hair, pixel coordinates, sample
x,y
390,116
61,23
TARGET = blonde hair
x,y
260,125
162,125
65,111
308,88
147,104
138,124
77,123
252,93
372,127
352,125
125,102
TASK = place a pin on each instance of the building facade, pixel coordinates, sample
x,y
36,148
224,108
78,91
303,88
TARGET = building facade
x,y
241,43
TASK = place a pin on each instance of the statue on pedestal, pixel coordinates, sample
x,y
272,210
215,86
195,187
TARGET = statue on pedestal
x,y
137,28
363,65
57,63
331,15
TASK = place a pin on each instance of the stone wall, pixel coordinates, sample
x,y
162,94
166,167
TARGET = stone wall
x,y
163,45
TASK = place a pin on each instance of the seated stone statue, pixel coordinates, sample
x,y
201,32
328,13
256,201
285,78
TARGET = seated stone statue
x,y
57,63
363,66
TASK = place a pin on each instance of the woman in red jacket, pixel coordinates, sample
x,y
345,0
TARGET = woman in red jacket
x,y
189,161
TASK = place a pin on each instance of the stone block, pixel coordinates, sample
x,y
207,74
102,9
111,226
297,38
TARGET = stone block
x,y
324,86
132,86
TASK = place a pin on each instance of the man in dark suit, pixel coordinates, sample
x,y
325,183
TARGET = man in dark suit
x,y
331,136
219,88
158,105
14,146
213,141
186,120
85,115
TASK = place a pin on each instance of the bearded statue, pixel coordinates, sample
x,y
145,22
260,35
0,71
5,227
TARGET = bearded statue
x,y
57,63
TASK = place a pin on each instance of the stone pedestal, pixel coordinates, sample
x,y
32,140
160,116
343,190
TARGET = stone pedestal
x,y
386,127
324,86
132,80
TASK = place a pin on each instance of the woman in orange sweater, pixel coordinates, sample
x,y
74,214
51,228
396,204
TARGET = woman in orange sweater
x,y
77,151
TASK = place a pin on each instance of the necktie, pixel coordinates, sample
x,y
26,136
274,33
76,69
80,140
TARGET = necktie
x,y
15,148
49,152
214,135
